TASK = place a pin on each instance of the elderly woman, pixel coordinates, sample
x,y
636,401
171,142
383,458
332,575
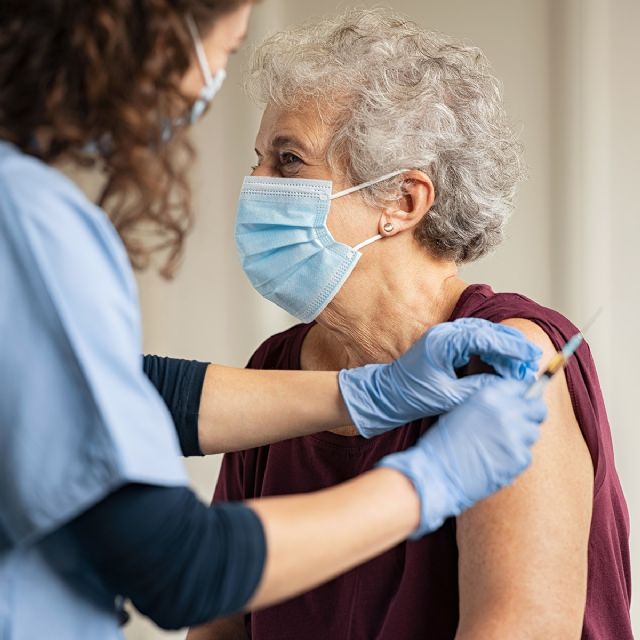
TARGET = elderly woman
x,y
354,100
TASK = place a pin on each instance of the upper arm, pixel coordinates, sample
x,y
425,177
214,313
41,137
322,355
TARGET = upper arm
x,y
523,551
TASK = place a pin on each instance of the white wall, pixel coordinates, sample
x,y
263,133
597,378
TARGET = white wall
x,y
569,69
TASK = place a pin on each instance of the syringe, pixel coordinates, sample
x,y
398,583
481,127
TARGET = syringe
x,y
559,361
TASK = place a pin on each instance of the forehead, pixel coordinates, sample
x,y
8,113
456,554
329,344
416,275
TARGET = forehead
x,y
229,29
303,123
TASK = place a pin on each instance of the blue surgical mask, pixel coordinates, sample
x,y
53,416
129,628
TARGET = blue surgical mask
x,y
285,246
212,84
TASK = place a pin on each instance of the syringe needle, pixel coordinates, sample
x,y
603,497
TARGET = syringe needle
x,y
591,321
559,361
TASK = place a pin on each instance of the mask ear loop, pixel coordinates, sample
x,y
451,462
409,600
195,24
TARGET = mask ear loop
x,y
203,63
212,83
366,243
364,185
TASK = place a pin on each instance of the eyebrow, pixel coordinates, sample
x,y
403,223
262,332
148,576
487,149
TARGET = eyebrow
x,y
289,141
281,141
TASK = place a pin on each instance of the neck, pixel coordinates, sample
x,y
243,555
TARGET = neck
x,y
387,304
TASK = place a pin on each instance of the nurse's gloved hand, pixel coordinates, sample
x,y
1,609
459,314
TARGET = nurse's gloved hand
x,y
423,382
471,452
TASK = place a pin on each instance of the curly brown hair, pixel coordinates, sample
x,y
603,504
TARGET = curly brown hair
x,y
79,73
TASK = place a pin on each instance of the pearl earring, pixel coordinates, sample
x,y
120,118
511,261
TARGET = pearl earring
x,y
388,227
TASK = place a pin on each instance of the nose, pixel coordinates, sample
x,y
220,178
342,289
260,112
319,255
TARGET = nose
x,y
263,171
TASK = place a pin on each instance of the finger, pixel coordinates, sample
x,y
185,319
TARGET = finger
x,y
509,367
524,461
536,409
514,392
531,434
469,385
492,341
511,388
481,323
520,458
450,345
447,343
510,344
470,322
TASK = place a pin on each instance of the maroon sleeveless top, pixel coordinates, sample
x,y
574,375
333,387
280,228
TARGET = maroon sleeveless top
x,y
411,591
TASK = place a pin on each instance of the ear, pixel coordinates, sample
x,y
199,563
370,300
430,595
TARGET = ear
x,y
414,203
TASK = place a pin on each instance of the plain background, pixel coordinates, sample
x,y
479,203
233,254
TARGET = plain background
x,y
570,75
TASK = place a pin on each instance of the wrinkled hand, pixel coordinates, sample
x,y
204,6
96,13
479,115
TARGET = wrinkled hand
x,y
471,452
423,381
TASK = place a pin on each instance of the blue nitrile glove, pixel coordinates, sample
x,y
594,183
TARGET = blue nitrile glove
x,y
423,381
471,452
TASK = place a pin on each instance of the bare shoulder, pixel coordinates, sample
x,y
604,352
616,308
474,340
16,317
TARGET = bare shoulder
x,y
523,551
561,413
535,333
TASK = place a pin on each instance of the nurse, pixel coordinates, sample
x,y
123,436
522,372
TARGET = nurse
x,y
94,502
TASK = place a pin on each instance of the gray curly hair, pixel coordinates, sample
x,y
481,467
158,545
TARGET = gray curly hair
x,y
405,98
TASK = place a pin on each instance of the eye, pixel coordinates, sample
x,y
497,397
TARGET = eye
x,y
288,159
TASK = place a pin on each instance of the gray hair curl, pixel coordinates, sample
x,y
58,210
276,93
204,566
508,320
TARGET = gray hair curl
x,y
405,98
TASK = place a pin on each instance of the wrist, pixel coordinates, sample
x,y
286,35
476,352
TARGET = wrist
x,y
425,475
403,494
364,392
344,417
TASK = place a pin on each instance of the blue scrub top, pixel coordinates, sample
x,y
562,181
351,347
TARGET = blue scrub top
x,y
78,417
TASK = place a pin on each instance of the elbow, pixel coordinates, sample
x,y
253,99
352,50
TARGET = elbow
x,y
173,609
168,618
172,619
165,620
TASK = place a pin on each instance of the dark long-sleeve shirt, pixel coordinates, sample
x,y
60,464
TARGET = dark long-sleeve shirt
x,y
180,562
179,382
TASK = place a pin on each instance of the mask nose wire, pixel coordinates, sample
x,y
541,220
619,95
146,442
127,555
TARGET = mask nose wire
x,y
203,63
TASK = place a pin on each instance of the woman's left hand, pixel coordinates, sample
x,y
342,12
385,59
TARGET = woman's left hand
x,y
423,382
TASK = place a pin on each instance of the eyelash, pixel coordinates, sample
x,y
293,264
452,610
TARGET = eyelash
x,y
291,155
282,163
